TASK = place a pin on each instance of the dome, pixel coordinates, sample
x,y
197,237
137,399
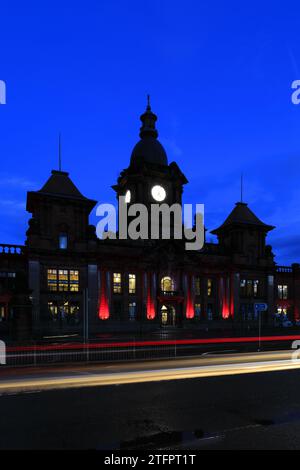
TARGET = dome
x,y
149,150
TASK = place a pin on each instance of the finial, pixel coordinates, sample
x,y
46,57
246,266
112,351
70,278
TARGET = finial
x,y
148,103
242,187
148,119
59,152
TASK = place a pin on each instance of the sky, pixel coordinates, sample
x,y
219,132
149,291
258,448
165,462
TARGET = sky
x,y
219,75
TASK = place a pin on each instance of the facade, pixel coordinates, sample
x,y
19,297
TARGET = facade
x,y
65,280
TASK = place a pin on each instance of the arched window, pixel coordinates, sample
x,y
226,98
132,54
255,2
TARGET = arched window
x,y
167,284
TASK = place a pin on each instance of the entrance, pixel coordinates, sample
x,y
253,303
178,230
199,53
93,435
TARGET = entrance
x,y
168,315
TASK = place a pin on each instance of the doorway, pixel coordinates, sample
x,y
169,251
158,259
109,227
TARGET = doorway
x,y
168,315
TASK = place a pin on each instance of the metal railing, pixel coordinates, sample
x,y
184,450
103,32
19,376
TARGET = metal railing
x,y
35,355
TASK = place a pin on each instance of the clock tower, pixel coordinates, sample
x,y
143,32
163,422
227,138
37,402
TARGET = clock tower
x,y
149,179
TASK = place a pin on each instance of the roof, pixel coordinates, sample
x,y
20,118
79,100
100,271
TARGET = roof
x,y
60,184
242,215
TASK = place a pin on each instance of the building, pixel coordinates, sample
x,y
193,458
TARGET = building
x,y
65,280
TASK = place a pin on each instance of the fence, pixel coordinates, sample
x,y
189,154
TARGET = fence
x,y
47,354
35,355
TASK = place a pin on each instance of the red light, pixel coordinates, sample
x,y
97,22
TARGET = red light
x,y
249,339
103,312
189,312
150,302
225,298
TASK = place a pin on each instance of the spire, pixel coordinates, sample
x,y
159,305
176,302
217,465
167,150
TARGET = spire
x,y
148,119
59,152
242,187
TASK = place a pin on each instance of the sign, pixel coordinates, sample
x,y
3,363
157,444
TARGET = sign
x,y
261,307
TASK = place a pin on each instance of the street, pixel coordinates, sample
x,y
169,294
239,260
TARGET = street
x,y
243,410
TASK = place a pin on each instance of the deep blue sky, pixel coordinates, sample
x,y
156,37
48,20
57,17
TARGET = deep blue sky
x,y
219,75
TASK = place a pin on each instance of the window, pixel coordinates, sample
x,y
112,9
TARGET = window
x,y
131,283
63,241
249,288
65,312
197,285
209,287
243,287
63,280
282,291
7,274
209,312
2,313
52,279
53,310
282,311
197,311
132,310
63,284
255,288
74,280
167,284
117,283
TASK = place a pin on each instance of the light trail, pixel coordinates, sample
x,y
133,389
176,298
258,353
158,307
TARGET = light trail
x,y
150,343
153,371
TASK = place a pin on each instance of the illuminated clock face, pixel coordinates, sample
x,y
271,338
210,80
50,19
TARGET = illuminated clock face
x,y
127,196
158,193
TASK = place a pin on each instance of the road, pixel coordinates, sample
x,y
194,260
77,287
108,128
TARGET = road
x,y
207,365
232,411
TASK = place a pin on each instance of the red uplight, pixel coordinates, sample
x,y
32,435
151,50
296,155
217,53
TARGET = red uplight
x,y
150,302
103,312
189,311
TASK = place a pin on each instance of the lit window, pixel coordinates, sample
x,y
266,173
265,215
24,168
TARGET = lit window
x,y
197,310
131,283
74,280
66,312
2,313
53,310
282,311
243,287
282,291
52,279
63,241
209,287
6,274
63,280
249,288
197,286
117,283
255,288
132,310
63,284
167,284
11,274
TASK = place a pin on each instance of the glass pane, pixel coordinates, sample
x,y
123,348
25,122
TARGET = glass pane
x,y
52,279
63,280
132,283
117,283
